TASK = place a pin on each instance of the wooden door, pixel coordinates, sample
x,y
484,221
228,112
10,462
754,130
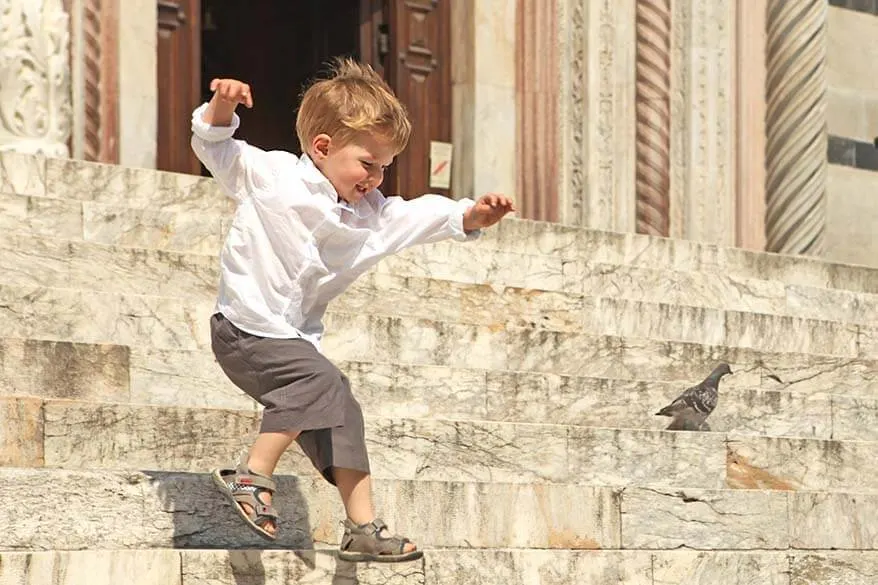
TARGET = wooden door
x,y
179,81
408,41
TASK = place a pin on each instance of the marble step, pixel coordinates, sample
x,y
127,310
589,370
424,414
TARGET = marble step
x,y
93,435
148,189
388,390
107,372
317,566
134,188
170,323
151,509
159,228
87,435
512,282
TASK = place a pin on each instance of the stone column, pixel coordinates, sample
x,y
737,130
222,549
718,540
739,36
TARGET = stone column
x,y
653,19
750,75
796,126
703,121
94,79
483,92
596,113
35,111
536,83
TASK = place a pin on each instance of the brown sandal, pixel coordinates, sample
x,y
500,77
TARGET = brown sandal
x,y
242,486
365,542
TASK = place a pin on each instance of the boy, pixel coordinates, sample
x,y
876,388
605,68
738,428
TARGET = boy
x,y
304,229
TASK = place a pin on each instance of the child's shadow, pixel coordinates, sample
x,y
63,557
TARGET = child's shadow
x,y
202,518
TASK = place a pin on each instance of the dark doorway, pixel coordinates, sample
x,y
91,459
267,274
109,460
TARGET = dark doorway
x,y
276,46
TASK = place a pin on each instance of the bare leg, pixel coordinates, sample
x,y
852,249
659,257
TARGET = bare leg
x,y
264,455
355,488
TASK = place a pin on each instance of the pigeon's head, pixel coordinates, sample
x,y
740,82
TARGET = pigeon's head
x,y
721,370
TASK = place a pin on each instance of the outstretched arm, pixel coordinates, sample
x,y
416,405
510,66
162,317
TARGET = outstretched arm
x,y
432,218
487,211
238,167
227,94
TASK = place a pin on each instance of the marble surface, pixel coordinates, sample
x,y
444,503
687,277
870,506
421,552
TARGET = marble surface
x,y
40,216
21,432
138,85
22,174
135,188
821,520
311,566
155,229
721,568
606,402
97,567
51,369
704,520
185,511
802,464
318,566
834,568
550,285
621,458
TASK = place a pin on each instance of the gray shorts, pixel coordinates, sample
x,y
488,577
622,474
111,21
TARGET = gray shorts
x,y
300,389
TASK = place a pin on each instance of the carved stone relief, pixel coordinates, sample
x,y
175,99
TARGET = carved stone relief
x,y
35,105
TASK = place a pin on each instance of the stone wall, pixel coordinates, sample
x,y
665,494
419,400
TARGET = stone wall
x,y
852,121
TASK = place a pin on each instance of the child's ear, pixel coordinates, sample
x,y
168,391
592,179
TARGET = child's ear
x,y
320,145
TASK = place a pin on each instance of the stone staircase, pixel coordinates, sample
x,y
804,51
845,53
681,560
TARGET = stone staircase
x,y
509,388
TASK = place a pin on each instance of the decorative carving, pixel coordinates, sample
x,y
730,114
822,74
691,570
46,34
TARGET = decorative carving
x,y
171,16
92,50
702,118
574,106
417,58
35,107
796,126
653,87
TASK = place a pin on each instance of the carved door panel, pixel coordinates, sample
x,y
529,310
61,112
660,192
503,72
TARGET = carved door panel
x,y
179,80
408,41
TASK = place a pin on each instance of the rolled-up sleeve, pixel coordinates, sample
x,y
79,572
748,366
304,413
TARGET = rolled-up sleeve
x,y
239,168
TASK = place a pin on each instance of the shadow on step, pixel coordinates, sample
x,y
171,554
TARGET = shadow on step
x,y
203,519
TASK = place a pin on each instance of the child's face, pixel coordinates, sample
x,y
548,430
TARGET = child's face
x,y
355,168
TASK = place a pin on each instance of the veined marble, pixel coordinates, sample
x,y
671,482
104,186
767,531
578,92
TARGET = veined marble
x,y
704,520
721,568
548,286
154,229
133,187
185,511
51,369
821,520
21,432
833,568
97,567
802,464
40,216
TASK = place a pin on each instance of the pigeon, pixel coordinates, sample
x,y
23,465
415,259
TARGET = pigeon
x,y
690,409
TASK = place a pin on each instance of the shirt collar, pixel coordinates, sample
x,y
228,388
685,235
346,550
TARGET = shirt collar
x,y
312,175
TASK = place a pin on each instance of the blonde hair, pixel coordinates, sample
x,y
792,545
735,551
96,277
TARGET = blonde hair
x,y
353,100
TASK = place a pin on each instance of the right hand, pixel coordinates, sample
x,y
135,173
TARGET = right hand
x,y
232,91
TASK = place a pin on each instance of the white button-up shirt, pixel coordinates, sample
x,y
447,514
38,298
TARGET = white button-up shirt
x,y
293,245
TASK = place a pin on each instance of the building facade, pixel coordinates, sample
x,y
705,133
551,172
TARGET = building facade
x,y
743,123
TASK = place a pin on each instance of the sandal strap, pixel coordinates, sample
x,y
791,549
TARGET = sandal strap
x,y
245,476
374,541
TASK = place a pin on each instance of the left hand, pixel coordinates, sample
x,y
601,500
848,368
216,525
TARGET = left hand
x,y
487,211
